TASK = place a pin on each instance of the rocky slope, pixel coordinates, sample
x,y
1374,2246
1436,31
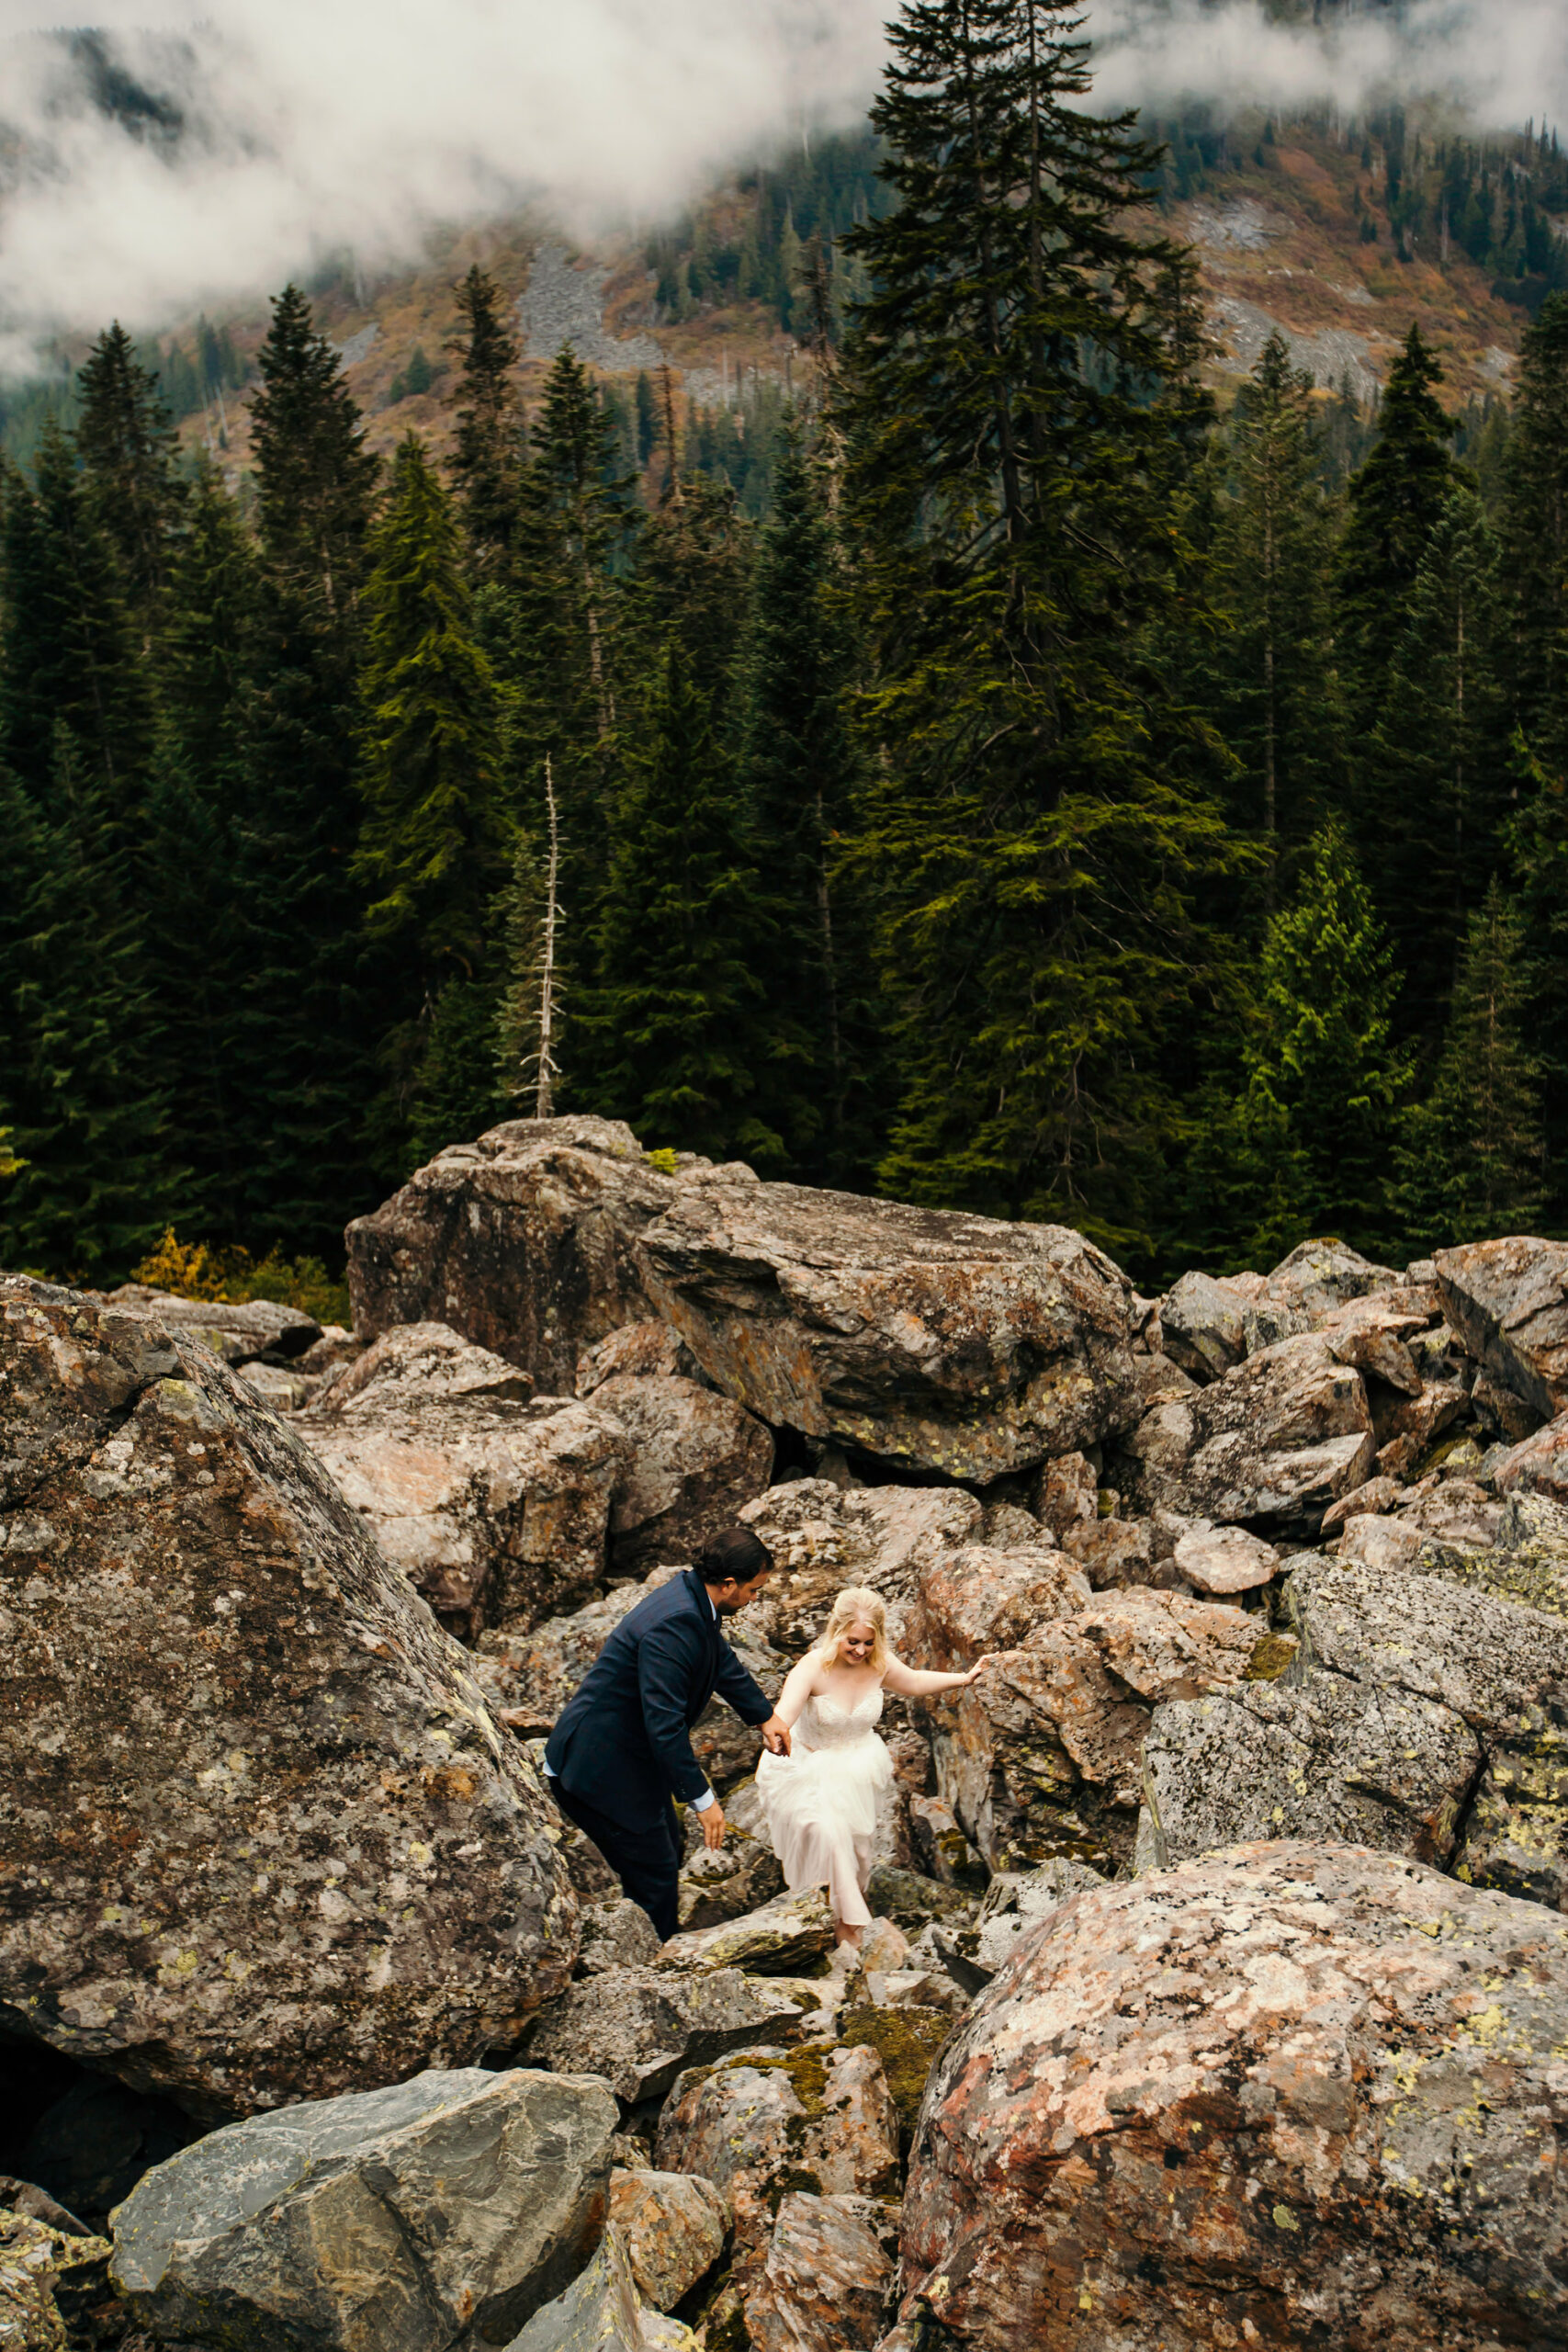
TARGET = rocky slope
x,y
1217,1994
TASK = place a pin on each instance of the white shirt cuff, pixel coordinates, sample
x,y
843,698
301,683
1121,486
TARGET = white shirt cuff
x,y
703,1803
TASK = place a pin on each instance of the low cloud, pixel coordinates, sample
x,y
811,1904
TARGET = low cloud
x,y
286,129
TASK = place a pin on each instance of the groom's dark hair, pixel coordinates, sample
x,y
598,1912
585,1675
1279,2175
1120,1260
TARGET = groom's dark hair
x,y
735,1554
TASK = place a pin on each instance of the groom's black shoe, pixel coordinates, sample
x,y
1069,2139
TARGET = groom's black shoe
x,y
646,1861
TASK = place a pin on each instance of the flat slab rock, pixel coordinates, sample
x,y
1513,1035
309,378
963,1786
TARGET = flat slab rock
x,y
778,1939
495,1504
1294,2094
932,1339
438,2212
639,2027
263,1840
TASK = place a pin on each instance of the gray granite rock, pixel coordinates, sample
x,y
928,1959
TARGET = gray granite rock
x,y
261,1839
602,2311
438,2214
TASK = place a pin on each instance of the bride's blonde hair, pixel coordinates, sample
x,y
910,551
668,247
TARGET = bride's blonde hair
x,y
856,1606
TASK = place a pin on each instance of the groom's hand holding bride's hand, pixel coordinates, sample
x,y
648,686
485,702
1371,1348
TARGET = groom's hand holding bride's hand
x,y
775,1737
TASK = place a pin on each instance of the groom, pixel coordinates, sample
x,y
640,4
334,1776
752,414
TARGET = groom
x,y
623,1747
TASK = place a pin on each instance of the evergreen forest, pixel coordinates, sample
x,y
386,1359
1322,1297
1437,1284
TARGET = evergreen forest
x,y
1062,801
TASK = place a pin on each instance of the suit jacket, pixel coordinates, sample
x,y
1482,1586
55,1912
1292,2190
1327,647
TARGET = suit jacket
x,y
623,1743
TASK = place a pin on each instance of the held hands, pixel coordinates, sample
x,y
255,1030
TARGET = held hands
x,y
775,1737
712,1819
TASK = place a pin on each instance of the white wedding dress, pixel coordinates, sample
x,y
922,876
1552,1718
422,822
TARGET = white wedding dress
x,y
823,1801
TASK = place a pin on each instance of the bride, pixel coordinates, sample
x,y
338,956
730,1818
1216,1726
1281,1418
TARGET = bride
x,y
821,1802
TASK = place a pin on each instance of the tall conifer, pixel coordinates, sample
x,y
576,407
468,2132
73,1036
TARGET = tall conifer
x,y
128,447
1019,405
1395,501
488,452
1535,536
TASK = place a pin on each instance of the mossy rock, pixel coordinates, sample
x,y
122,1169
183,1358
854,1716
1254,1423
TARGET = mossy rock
x,y
908,2042
911,1900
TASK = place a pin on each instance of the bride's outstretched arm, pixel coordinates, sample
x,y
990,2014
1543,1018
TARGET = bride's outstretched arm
x,y
796,1691
918,1683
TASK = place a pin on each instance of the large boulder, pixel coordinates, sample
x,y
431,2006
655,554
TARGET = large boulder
x,y
1509,1300
1043,1756
823,1537
928,1338
495,1504
262,1838
824,2284
523,1242
813,2118
1293,2095
1277,1440
672,2226
1400,1696
692,1460
640,2028
979,1600
437,2212
1538,1465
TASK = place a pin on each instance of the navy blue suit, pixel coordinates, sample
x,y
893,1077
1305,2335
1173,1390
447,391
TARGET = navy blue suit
x,y
623,1745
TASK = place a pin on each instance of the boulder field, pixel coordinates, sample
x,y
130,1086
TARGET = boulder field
x,y
1218,1990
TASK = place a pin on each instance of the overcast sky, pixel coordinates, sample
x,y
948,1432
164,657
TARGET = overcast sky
x,y
323,123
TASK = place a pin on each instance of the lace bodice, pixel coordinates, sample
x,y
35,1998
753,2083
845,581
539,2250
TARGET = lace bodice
x,y
824,1723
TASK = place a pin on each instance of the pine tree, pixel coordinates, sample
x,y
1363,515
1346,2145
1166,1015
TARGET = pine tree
x,y
315,479
1535,534
1437,785
1276,695
79,1036
1306,1148
197,804
1537,839
127,446
1018,407
69,653
1397,499
677,1008
579,510
1468,1165
798,771
487,457
437,836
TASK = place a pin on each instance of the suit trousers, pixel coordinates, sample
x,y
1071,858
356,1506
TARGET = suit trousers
x,y
646,1861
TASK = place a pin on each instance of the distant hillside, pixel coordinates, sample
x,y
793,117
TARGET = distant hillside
x,y
1339,237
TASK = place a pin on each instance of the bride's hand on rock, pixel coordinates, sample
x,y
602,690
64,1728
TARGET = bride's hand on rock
x,y
977,1671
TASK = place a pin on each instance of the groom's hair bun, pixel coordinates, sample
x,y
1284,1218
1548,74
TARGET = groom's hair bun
x,y
734,1552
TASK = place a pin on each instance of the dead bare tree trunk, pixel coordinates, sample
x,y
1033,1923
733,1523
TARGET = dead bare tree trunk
x,y
544,1094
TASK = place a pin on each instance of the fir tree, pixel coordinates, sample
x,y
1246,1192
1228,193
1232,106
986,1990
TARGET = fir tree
x,y
126,445
799,776
1437,783
79,1036
1538,838
1306,1148
677,1009
1468,1165
436,844
1018,407
487,457
315,480
1397,499
581,518
1277,693
1535,534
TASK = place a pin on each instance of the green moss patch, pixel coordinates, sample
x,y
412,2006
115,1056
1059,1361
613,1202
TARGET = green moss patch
x,y
908,2042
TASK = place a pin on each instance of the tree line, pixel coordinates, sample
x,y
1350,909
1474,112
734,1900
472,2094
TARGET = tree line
x,y
1064,804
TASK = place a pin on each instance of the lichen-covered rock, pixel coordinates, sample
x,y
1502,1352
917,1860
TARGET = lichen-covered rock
x,y
648,1349
1509,1300
672,2226
932,1340
1293,2095
437,2212
1377,1735
602,2311
825,2284
240,1330
975,1600
615,1934
692,1459
740,1877
523,1241
1320,1277
781,1938
813,2119
54,2290
1042,1755
640,2026
1202,1325
1526,1561
823,1537
261,1838
494,1504
1539,1466
1278,1438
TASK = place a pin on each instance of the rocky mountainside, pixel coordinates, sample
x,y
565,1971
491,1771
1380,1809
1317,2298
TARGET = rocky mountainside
x,y
1218,1985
